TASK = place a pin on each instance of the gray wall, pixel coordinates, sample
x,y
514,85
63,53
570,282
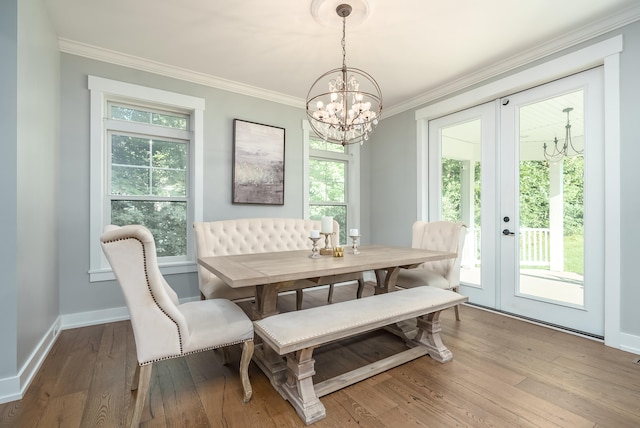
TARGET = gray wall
x,y
38,170
393,203
77,294
9,180
29,105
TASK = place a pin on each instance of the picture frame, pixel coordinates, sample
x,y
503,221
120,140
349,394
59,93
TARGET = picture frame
x,y
258,163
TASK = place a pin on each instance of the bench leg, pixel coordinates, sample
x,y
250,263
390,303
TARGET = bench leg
x,y
429,336
299,388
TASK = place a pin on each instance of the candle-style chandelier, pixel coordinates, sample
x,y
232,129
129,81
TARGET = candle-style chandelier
x,y
558,152
344,105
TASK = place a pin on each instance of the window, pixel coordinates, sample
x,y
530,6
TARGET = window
x,y
333,182
145,169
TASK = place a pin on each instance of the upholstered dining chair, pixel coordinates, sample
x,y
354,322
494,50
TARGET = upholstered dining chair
x,y
439,236
162,327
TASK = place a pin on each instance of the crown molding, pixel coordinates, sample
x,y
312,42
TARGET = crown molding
x,y
130,61
584,34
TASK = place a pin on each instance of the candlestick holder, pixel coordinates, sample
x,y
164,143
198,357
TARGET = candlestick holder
x,y
327,250
354,244
314,249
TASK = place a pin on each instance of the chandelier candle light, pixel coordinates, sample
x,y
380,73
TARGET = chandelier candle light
x,y
351,108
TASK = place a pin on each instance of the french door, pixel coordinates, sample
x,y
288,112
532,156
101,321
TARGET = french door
x,y
526,174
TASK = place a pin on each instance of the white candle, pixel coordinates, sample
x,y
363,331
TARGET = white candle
x,y
315,233
353,232
327,224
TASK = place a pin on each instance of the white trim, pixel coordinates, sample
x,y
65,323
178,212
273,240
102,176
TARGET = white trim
x,y
605,52
613,296
563,66
101,88
629,343
306,129
13,388
130,61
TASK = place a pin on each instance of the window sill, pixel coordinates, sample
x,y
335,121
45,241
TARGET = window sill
x,y
98,275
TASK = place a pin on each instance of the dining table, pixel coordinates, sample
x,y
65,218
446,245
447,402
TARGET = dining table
x,y
272,273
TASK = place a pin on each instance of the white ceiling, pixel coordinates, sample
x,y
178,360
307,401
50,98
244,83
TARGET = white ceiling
x,y
411,47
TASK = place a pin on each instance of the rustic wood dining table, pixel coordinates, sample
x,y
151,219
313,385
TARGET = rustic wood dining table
x,y
274,272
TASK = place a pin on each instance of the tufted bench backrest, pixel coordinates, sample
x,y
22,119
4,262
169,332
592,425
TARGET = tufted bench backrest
x,y
254,235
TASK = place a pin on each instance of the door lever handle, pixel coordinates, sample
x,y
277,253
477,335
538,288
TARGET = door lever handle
x,y
507,232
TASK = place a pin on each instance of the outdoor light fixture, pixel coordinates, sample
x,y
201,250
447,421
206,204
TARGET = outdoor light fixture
x,y
344,105
558,152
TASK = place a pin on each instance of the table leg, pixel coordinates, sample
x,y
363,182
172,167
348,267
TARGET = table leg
x,y
271,364
266,302
386,279
386,283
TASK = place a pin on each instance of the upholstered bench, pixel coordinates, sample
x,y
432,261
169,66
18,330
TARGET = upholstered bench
x,y
257,235
297,334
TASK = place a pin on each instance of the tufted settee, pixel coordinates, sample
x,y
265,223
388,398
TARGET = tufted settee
x,y
249,236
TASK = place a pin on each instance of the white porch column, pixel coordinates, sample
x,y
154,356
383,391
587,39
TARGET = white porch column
x,y
556,217
467,209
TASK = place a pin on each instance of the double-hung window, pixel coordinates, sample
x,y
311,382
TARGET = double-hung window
x,y
332,175
145,168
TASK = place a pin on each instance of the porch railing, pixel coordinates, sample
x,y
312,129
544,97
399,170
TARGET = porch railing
x,y
534,247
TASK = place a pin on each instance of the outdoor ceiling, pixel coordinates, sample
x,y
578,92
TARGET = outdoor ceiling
x,y
411,47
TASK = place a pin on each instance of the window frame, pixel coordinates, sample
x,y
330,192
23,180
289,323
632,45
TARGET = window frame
x,y
102,93
351,157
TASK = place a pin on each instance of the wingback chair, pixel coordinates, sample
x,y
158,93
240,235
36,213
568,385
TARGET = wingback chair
x,y
440,236
163,328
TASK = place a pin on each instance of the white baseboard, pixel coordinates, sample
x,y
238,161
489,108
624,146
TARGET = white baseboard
x,y
630,343
12,388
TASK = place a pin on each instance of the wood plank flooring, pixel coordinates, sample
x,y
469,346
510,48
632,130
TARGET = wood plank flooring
x,y
505,373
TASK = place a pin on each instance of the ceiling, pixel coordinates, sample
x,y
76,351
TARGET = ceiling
x,y
413,48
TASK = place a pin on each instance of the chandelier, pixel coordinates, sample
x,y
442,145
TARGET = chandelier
x,y
558,152
344,105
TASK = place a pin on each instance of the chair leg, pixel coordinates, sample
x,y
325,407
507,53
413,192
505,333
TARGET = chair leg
x,y
142,379
457,307
360,287
330,297
298,300
247,353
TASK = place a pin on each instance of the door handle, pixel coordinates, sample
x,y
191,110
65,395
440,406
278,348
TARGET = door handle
x,y
507,232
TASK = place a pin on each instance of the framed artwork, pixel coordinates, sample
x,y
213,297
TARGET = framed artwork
x,y
258,163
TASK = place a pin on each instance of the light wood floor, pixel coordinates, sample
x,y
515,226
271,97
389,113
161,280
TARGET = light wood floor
x,y
504,373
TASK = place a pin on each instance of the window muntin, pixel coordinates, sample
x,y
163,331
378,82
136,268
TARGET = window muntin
x,y
129,113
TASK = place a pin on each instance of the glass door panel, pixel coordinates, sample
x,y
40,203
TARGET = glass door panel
x,y
551,151
462,170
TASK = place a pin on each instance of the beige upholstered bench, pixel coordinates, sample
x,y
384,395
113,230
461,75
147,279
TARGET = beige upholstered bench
x,y
256,235
296,334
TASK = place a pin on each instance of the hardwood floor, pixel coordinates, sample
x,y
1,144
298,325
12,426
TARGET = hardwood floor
x,y
504,373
